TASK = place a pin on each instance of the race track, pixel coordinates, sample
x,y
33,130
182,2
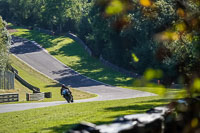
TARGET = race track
x,y
41,60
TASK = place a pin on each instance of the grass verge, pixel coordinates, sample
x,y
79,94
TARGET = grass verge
x,y
60,118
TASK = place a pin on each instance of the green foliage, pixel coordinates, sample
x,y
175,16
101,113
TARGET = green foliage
x,y
161,34
135,58
60,16
182,42
152,74
124,30
115,7
5,41
195,88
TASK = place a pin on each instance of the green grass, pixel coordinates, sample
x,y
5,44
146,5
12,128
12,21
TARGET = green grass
x,y
60,118
44,83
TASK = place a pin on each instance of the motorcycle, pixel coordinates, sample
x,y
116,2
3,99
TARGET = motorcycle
x,y
68,96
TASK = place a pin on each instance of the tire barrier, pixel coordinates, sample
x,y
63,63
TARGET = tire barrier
x,y
34,96
48,95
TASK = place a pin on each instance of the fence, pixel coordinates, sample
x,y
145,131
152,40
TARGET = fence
x,y
11,97
7,80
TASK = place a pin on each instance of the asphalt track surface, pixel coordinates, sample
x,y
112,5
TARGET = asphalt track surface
x,y
38,58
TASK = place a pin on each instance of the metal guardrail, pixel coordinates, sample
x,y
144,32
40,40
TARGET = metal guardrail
x,y
23,82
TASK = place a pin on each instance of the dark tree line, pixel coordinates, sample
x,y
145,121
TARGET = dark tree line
x,y
56,15
136,35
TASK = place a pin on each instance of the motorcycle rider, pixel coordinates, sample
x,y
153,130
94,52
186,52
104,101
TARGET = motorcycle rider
x,y
66,93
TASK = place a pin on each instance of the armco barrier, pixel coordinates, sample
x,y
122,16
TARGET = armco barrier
x,y
22,81
48,94
34,96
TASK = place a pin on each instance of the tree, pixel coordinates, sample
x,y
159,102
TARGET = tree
x,y
5,41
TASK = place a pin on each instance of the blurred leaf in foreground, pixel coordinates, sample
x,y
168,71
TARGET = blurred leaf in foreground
x,y
114,7
145,3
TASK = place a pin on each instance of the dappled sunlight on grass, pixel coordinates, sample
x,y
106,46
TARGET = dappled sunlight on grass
x,y
122,79
58,40
104,78
93,71
59,43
